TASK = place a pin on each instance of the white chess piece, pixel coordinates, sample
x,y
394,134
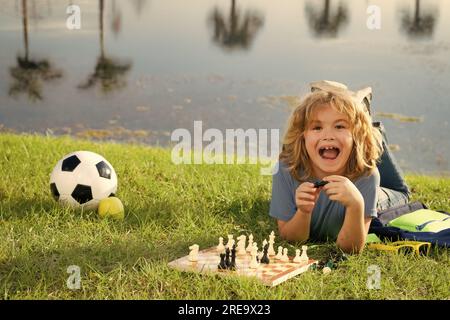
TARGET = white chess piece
x,y
193,254
250,243
254,263
220,248
241,245
304,256
285,256
230,241
297,256
271,251
280,253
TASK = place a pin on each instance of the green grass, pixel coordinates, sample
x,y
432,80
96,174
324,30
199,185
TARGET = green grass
x,y
168,208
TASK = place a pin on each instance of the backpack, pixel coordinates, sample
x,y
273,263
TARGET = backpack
x,y
390,214
422,220
413,221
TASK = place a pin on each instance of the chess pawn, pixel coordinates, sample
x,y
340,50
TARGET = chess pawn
x,y
265,258
222,265
280,253
285,257
304,256
220,248
230,241
250,243
193,254
297,256
254,262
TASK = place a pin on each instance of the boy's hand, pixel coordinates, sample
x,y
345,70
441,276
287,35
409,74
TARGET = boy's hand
x,y
306,196
341,189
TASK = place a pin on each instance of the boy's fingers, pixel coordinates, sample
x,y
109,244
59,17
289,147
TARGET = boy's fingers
x,y
307,190
331,185
303,198
332,192
333,178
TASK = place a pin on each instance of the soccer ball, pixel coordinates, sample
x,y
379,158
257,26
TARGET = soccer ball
x,y
82,179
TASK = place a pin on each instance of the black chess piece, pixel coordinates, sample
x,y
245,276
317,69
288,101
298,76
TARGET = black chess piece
x,y
227,257
232,265
265,257
222,265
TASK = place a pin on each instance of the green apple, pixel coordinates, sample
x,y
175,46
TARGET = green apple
x,y
111,207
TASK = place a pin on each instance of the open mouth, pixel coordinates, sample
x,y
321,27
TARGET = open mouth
x,y
329,153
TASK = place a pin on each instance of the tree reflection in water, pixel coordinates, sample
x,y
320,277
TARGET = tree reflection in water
x,y
109,73
326,22
419,25
236,31
29,74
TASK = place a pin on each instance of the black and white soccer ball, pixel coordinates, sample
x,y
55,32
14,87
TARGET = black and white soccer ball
x,y
82,179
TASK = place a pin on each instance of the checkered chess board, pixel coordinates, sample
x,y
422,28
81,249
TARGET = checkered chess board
x,y
270,274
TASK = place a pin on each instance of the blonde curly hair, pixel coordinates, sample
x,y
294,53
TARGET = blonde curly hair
x,y
367,140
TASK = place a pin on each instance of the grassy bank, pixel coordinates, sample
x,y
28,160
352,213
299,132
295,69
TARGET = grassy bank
x,y
168,208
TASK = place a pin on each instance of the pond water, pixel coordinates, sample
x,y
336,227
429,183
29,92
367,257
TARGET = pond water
x,y
137,70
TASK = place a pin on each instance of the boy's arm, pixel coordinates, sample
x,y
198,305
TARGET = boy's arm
x,y
297,228
352,237
353,233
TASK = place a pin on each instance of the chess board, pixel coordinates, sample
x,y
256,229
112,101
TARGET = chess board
x,y
270,274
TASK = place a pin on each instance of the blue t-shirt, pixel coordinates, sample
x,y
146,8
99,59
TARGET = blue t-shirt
x,y
328,215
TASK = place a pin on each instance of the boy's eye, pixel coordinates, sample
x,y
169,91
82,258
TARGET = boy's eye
x,y
340,126
317,128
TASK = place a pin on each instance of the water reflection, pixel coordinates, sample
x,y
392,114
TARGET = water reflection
x,y
109,73
29,74
116,22
419,25
168,90
236,31
139,5
326,22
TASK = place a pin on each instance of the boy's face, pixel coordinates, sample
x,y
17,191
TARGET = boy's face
x,y
329,141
